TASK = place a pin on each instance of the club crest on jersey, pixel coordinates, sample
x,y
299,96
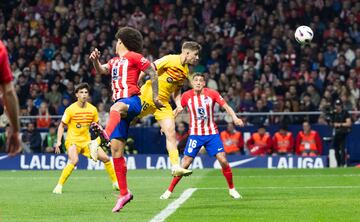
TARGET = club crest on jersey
x,y
201,113
206,100
143,60
169,80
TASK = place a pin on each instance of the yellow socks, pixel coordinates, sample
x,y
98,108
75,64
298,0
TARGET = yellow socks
x,y
66,173
110,170
174,157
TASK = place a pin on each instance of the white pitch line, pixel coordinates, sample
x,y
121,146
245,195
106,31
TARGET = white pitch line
x,y
173,206
283,188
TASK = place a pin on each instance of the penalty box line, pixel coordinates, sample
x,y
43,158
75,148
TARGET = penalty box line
x,y
173,206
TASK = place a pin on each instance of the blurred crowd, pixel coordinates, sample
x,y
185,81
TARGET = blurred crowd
x,y
249,52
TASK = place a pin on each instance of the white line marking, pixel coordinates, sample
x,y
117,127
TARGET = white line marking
x,y
172,207
283,188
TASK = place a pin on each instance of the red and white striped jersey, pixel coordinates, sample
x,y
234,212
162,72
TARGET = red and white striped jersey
x,y
125,73
201,108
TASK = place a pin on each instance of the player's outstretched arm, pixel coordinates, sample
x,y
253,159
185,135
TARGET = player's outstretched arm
x,y
94,57
12,106
155,86
60,133
231,112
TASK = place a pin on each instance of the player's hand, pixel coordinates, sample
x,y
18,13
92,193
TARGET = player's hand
x,y
178,110
13,143
95,55
238,122
158,103
57,147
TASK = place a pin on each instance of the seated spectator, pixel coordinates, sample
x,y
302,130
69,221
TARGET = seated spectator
x,y
43,119
54,96
283,141
50,140
103,114
31,139
232,140
3,137
259,143
308,142
181,136
259,119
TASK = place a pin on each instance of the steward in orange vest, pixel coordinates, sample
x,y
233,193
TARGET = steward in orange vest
x,y
232,139
283,142
308,142
259,143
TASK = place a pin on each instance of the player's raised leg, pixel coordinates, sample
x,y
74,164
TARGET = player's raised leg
x,y
226,170
116,110
168,127
186,161
73,160
108,167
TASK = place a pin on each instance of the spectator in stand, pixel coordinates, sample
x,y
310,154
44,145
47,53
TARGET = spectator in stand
x,y
103,114
260,143
232,140
182,135
283,142
43,119
308,142
31,139
50,140
259,119
3,139
54,96
245,41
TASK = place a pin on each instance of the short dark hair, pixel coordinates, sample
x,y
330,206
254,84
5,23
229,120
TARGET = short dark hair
x,y
131,38
81,86
191,45
198,74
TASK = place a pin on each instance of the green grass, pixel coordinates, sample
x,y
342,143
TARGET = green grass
x,y
269,195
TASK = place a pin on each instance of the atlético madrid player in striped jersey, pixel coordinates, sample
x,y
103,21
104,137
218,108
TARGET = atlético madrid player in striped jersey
x,y
200,102
124,70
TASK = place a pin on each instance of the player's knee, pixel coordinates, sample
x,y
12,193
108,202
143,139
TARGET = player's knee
x,y
104,159
119,107
170,133
74,161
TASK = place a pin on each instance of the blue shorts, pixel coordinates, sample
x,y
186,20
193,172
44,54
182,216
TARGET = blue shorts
x,y
122,129
212,143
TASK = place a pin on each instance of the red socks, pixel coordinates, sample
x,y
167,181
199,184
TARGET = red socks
x,y
174,181
120,171
113,121
228,176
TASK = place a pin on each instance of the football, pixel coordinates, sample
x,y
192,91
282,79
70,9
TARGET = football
x,y
304,34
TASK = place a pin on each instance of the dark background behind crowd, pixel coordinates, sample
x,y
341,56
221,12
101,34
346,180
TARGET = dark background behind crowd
x,y
249,52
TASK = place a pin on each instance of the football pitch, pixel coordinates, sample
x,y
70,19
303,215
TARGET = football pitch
x,y
268,195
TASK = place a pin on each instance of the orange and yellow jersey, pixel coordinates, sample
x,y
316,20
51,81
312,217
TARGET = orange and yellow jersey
x,y
172,75
78,120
